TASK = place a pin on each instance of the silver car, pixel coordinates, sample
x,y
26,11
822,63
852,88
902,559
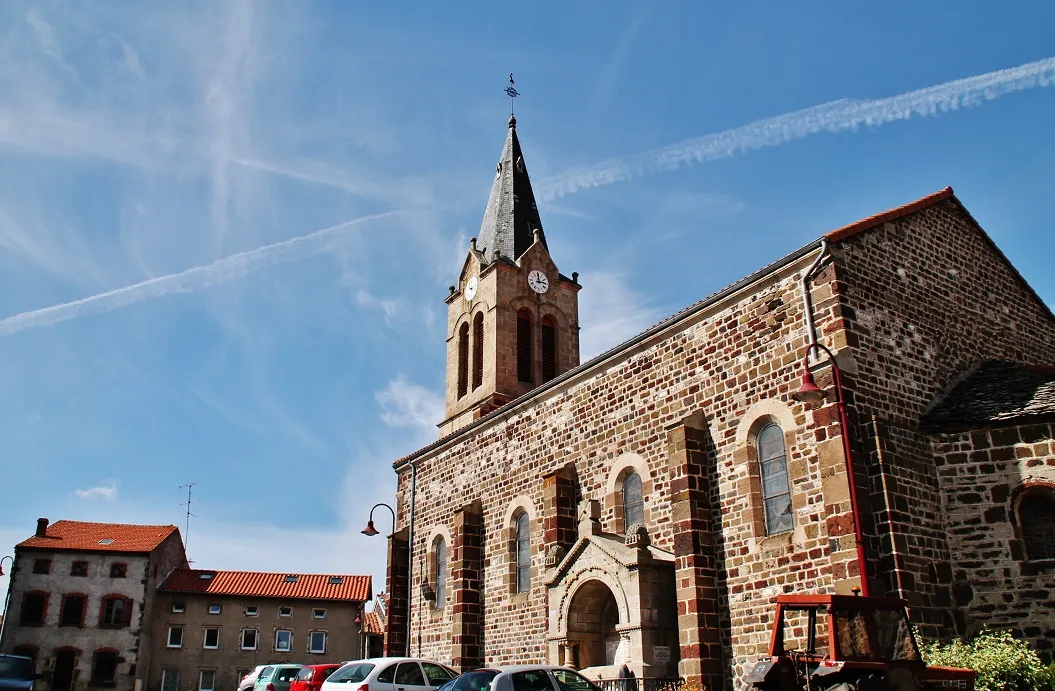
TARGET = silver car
x,y
248,680
540,678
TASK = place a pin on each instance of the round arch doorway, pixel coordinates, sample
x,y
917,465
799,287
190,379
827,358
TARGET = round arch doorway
x,y
592,620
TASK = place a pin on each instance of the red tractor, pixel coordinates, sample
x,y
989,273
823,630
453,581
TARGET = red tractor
x,y
848,643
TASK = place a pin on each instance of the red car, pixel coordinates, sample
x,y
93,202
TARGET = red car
x,y
311,677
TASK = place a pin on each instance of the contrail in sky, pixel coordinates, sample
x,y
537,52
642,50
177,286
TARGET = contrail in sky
x,y
220,271
837,116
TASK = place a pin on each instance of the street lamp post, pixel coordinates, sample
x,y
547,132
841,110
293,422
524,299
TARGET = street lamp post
x,y
809,392
7,596
370,531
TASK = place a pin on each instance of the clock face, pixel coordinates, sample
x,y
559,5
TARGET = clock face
x,y
470,288
538,282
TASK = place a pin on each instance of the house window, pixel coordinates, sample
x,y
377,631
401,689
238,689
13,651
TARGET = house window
x,y
175,637
523,542
118,570
478,351
72,613
291,578
117,611
318,614
41,566
524,347
283,641
317,642
776,489
79,568
212,639
1036,519
251,610
439,556
206,680
104,669
170,680
463,360
285,611
633,502
548,334
33,607
215,609
249,637
178,607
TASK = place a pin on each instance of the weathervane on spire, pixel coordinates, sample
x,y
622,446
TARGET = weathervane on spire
x,y
512,93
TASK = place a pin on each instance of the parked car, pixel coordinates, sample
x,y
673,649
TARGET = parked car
x,y
276,677
477,680
16,673
248,680
389,674
310,678
538,678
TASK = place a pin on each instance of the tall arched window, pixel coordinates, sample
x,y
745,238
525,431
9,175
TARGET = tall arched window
x,y
524,347
478,351
633,503
776,488
1036,518
439,555
463,360
523,553
549,348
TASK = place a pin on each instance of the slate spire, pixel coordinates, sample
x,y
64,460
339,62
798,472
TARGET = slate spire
x,y
511,216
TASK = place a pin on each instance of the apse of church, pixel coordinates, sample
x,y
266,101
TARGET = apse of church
x,y
643,509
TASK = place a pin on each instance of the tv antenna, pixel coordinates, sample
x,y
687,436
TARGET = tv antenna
x,y
186,530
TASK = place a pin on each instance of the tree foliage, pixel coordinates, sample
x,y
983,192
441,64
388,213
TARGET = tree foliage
x,y
1002,662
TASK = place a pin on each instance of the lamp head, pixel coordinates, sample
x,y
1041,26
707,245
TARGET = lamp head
x,y
809,392
370,530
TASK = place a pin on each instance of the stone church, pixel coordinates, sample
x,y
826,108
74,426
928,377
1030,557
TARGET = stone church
x,y
644,508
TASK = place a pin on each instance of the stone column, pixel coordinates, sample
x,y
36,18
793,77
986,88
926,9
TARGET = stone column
x,y
396,614
558,509
689,455
466,573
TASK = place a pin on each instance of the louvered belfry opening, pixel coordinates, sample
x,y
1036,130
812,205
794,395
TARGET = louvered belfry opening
x,y
478,351
549,348
463,360
524,347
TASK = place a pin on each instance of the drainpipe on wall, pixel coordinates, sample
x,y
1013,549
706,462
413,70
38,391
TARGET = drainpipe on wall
x,y
807,301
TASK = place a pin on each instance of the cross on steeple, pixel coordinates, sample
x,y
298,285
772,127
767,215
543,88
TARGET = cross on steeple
x,y
512,93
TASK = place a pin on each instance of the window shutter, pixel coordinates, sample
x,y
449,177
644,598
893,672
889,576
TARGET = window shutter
x,y
549,349
463,360
478,351
524,347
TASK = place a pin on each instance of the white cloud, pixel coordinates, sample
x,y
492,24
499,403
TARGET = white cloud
x,y
105,491
610,312
409,405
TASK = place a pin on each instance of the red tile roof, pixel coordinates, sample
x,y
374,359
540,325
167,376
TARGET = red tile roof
x,y
257,584
101,537
372,624
893,214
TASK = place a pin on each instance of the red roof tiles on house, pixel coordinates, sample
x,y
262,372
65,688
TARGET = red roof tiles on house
x,y
257,584
101,537
372,624
893,214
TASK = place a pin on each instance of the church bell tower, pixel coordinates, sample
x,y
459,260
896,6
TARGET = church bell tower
x,y
512,318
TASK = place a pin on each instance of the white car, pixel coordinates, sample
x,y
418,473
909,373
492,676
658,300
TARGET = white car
x,y
389,674
539,678
248,680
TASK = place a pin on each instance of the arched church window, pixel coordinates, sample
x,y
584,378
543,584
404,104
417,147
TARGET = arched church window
x,y
439,556
523,553
1036,519
478,351
776,489
463,360
524,347
633,502
549,348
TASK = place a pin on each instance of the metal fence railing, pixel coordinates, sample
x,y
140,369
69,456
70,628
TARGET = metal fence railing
x,y
644,684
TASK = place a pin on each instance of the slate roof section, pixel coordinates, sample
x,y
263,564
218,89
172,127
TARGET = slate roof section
x,y
511,216
994,393
262,584
83,536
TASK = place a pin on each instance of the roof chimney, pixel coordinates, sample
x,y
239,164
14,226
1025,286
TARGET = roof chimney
x,y
42,527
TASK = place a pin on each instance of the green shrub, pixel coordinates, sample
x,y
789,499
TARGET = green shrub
x,y
1046,678
1001,662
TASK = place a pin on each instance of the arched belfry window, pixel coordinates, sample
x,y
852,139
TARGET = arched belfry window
x,y
549,348
478,351
524,347
463,360
1036,520
523,543
633,502
439,556
776,488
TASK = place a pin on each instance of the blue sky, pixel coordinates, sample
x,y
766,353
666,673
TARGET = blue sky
x,y
227,228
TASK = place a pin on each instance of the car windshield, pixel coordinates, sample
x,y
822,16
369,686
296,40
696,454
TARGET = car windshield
x,y
20,668
354,672
265,673
287,673
471,681
306,673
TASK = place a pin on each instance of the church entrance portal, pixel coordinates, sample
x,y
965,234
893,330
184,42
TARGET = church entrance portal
x,y
592,620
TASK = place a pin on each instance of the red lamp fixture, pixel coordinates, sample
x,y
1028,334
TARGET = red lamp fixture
x,y
809,392
370,530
